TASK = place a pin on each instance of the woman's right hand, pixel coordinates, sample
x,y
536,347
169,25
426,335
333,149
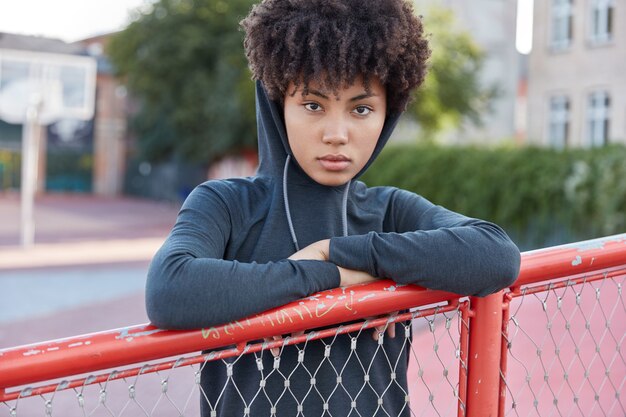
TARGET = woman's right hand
x,y
347,277
352,277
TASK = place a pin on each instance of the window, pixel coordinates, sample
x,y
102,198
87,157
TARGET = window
x,y
562,23
601,21
598,118
558,128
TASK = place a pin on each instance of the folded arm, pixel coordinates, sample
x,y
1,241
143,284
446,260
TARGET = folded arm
x,y
434,248
189,285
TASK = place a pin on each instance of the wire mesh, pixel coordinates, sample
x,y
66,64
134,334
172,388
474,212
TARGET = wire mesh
x,y
564,346
561,355
360,370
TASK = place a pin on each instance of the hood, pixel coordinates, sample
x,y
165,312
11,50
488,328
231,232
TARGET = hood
x,y
299,193
274,145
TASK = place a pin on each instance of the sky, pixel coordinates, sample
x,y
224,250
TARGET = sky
x,y
71,20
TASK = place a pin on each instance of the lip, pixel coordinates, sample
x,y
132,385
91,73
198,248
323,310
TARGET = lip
x,y
334,162
334,157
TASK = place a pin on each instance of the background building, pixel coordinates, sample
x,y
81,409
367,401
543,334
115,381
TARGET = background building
x,y
577,73
11,134
82,156
492,25
110,129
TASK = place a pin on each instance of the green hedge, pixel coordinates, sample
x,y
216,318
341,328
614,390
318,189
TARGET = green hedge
x,y
540,196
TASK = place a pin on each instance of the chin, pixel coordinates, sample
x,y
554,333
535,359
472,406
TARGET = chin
x,y
332,181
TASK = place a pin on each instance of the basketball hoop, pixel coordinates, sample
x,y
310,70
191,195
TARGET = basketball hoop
x,y
18,96
39,89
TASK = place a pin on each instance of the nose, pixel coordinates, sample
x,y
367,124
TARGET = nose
x,y
335,132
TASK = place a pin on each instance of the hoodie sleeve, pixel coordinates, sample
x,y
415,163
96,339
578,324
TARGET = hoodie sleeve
x,y
189,285
432,247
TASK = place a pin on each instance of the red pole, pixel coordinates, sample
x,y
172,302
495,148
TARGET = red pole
x,y
483,363
28,364
572,259
465,315
506,316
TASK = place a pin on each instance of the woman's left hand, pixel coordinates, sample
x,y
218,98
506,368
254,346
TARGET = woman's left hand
x,y
318,251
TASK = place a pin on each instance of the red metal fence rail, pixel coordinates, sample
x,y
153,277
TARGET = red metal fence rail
x,y
486,347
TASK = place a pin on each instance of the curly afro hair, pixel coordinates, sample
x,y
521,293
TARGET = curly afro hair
x,y
332,42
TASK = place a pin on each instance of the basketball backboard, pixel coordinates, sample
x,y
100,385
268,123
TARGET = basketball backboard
x,y
63,85
38,89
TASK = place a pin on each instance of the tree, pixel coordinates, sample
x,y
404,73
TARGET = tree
x,y
452,91
184,62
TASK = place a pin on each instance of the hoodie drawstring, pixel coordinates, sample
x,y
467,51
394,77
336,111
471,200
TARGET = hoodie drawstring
x,y
286,200
344,207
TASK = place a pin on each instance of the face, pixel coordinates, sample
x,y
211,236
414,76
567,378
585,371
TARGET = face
x,y
333,136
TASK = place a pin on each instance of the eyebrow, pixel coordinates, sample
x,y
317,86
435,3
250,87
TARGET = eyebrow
x,y
356,98
362,96
319,94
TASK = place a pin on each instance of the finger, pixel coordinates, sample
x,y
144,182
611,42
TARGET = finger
x,y
268,340
296,334
378,330
276,351
392,326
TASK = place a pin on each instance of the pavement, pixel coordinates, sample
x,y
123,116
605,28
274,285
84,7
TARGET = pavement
x,y
73,229
86,271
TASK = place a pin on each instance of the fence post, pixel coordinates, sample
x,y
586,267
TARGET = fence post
x,y
483,364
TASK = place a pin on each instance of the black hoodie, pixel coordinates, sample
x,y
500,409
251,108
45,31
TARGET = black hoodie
x,y
226,258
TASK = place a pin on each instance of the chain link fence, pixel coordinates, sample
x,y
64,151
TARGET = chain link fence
x,y
430,344
564,347
557,351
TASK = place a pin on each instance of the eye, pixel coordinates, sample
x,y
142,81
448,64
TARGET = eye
x,y
313,107
362,110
